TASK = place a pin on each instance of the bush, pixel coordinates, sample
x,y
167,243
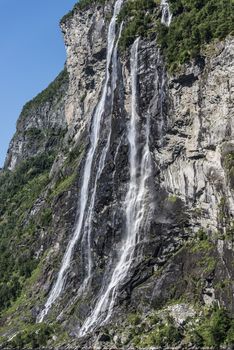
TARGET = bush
x,y
138,16
64,185
46,217
215,329
165,333
32,338
194,24
9,291
134,319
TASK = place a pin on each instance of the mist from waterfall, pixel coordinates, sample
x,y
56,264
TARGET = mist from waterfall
x,y
136,207
85,187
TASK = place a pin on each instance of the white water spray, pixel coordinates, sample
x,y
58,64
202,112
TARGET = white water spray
x,y
136,207
166,13
94,139
86,240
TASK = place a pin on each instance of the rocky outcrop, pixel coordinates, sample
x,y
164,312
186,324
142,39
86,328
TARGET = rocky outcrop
x,y
41,125
85,35
200,136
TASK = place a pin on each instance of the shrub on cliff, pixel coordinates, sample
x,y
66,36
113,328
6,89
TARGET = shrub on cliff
x,y
194,24
214,330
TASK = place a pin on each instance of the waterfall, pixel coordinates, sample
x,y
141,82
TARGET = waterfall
x,y
86,240
85,187
166,14
136,208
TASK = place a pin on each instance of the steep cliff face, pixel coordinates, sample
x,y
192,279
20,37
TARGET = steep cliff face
x,y
202,107
41,123
139,193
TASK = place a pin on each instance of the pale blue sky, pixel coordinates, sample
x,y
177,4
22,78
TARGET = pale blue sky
x,y
32,53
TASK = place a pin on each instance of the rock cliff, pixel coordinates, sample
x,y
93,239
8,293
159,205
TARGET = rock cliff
x,y
132,226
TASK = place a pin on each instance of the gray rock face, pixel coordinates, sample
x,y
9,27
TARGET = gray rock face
x,y
200,127
191,136
85,36
41,124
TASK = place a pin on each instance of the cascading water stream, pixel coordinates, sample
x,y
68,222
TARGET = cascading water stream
x,y
86,241
135,208
166,13
84,196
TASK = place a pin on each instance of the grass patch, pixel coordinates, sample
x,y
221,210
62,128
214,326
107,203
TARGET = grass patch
x,y
201,246
64,185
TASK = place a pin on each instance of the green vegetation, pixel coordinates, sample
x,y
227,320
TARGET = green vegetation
x,y
18,193
201,235
33,337
63,185
69,175
51,92
223,211
208,263
229,166
13,182
230,232
172,199
75,155
46,217
23,219
163,334
195,23
51,137
215,329
202,246
34,133
156,329
139,17
134,319
81,5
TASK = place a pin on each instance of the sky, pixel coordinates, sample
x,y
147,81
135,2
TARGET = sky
x,y
32,53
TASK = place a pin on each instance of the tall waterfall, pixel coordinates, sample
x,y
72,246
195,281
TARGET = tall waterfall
x,y
166,13
85,188
136,207
86,240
